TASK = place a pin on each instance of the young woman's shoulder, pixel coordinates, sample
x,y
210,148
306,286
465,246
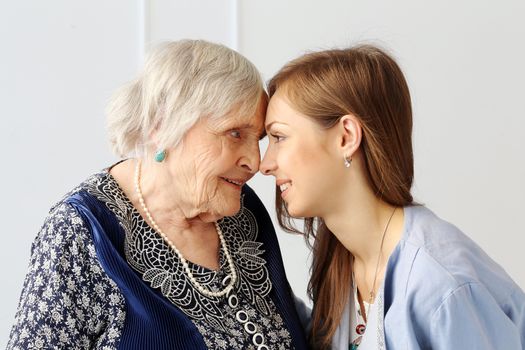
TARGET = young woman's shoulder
x,y
455,290
452,257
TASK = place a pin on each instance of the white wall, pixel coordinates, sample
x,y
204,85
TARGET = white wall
x,y
60,61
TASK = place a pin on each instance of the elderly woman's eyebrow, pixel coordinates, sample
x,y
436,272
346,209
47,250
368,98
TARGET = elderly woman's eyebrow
x,y
251,127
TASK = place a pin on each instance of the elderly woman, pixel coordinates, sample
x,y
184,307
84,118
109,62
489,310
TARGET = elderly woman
x,y
169,249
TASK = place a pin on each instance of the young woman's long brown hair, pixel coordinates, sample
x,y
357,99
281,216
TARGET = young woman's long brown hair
x,y
366,82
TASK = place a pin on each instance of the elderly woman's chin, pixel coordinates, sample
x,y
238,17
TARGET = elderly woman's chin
x,y
221,208
232,209
230,205
222,204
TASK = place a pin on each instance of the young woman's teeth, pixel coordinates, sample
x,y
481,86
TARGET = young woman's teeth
x,y
284,187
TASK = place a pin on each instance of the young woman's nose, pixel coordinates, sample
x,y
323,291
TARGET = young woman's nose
x,y
268,164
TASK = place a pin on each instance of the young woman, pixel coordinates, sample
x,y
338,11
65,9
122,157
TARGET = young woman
x,y
387,272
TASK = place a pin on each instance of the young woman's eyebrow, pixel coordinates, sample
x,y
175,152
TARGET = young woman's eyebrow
x,y
268,126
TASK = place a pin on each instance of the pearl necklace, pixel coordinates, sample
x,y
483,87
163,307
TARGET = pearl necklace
x,y
193,280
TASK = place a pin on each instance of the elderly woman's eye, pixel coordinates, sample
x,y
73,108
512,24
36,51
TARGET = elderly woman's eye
x,y
235,133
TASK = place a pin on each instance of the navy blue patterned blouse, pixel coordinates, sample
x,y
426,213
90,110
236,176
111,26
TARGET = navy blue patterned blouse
x,y
101,278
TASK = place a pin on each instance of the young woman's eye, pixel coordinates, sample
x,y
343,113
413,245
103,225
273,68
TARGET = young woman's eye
x,y
278,138
235,134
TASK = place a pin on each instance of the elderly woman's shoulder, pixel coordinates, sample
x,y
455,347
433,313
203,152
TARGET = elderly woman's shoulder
x,y
89,182
64,233
65,274
63,224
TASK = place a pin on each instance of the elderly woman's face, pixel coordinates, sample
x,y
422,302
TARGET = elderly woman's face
x,y
216,158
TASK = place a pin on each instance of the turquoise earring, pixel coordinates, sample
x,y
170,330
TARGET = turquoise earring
x,y
160,155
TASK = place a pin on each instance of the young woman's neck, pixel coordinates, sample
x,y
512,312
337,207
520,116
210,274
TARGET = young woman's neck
x,y
359,221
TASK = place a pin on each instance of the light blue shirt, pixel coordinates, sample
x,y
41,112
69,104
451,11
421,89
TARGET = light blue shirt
x,y
441,291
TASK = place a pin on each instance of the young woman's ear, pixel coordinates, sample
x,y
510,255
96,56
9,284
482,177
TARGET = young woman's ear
x,y
351,134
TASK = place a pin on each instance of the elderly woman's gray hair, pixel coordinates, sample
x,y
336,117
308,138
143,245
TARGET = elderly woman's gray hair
x,y
182,81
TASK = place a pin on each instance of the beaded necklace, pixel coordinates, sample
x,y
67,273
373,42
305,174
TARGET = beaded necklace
x,y
193,280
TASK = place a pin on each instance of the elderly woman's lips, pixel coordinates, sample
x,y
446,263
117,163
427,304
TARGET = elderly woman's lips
x,y
234,183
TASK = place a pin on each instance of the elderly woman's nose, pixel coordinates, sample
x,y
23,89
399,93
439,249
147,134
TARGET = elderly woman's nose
x,y
251,158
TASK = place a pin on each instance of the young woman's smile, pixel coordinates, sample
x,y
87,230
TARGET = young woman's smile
x,y
298,153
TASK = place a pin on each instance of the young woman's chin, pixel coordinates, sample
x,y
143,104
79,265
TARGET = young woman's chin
x,y
299,211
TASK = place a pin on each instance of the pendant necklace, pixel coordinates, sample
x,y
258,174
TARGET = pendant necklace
x,y
361,326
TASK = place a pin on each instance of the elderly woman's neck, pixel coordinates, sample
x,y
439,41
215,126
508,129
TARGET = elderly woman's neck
x,y
191,230
162,198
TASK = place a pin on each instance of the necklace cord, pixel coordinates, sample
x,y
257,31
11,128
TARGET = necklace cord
x,y
171,244
372,293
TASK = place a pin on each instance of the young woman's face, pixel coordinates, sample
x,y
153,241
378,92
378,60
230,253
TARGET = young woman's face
x,y
301,156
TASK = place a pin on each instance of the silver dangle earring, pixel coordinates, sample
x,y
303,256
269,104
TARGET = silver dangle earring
x,y
348,162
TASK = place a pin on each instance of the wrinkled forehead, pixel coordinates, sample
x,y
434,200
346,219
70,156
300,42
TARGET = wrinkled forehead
x,y
239,117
